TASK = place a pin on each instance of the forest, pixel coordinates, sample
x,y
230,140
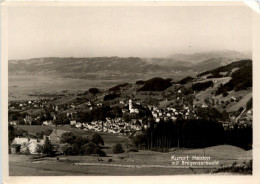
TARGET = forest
x,y
194,133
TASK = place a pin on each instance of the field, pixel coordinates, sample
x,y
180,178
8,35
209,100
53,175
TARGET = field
x,y
134,163
207,93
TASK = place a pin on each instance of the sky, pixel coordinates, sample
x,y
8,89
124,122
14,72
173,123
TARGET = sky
x,y
35,32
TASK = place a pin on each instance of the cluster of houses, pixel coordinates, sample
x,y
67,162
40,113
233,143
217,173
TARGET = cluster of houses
x,y
23,105
118,125
115,125
26,145
172,113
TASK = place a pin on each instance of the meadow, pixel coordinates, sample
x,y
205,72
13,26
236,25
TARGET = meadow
x,y
134,163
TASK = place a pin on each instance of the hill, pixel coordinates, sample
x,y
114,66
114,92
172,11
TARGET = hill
x,y
77,67
226,88
227,69
83,65
226,56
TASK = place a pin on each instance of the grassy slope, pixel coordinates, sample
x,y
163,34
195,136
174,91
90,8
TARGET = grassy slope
x,y
25,165
207,93
241,103
64,100
246,95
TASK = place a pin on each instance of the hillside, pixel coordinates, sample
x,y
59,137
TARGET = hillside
x,y
227,69
207,88
83,65
226,56
232,86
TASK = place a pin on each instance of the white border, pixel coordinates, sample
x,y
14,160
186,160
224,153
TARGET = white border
x,y
129,179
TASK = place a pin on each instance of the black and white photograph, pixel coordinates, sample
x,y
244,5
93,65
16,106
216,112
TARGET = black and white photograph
x,y
122,90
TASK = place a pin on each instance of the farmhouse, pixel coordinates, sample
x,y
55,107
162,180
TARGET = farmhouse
x,y
73,122
23,145
47,123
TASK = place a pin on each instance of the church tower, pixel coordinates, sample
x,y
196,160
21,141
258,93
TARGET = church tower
x,y
130,105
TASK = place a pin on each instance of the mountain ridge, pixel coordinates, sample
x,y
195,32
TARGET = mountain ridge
x,y
197,62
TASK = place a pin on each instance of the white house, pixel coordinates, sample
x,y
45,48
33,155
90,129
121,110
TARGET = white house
x,y
72,122
47,123
78,125
28,144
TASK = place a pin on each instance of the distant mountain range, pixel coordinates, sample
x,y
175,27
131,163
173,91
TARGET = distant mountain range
x,y
197,62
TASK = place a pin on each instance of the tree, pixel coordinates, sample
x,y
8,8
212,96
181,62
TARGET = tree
x,y
48,132
88,149
249,104
186,80
225,93
111,96
39,135
67,137
99,152
65,148
81,141
97,139
39,149
66,121
118,148
42,118
48,115
47,147
11,133
27,151
94,91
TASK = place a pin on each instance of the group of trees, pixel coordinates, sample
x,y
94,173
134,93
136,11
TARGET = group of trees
x,y
14,115
156,84
15,132
118,148
240,80
240,136
182,133
140,82
186,80
194,133
111,96
249,104
46,148
11,133
78,145
210,113
201,86
117,88
61,118
74,145
94,91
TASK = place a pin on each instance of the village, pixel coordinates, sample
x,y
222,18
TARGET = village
x,y
129,122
